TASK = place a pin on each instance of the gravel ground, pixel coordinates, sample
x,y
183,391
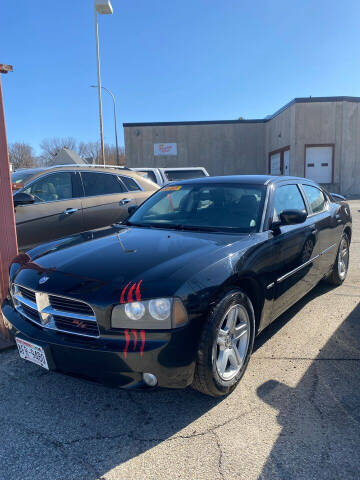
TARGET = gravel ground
x,y
295,415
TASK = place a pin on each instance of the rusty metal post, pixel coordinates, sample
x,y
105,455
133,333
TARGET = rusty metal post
x,y
8,239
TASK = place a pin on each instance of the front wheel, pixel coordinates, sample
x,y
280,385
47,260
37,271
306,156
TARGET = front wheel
x,y
225,345
341,265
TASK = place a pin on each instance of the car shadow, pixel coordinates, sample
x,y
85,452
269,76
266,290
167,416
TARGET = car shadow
x,y
320,416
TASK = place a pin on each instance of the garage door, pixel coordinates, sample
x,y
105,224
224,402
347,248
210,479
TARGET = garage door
x,y
318,163
275,164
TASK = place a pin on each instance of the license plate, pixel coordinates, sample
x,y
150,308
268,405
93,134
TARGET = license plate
x,y
33,353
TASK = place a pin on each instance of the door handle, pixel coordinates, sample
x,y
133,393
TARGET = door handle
x,y
68,211
124,201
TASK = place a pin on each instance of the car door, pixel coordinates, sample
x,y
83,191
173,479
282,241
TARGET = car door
x,y
106,199
296,246
326,223
56,212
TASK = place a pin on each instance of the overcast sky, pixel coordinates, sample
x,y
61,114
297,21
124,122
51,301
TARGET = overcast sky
x,y
169,60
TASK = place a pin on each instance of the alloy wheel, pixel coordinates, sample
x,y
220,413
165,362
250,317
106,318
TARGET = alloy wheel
x,y
343,258
232,342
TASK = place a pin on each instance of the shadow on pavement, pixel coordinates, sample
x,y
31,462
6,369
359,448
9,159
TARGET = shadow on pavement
x,y
320,417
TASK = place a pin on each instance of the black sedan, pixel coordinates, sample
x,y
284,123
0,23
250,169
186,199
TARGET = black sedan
x,y
175,295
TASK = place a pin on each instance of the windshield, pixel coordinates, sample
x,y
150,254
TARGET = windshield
x,y
19,178
211,207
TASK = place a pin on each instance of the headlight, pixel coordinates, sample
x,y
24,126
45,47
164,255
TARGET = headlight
x,y
160,309
159,313
135,310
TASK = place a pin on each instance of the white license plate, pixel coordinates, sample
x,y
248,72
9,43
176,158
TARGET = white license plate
x,y
33,353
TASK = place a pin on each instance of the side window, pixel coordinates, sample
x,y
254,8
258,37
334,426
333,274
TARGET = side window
x,y
287,197
130,183
316,198
100,184
56,186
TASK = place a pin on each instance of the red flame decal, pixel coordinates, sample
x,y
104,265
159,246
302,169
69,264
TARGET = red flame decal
x,y
122,296
138,292
134,332
142,336
127,341
130,294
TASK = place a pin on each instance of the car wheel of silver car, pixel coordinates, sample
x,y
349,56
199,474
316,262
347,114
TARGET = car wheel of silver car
x,y
225,345
341,265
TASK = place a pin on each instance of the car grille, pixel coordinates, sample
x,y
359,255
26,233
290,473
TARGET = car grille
x,y
56,313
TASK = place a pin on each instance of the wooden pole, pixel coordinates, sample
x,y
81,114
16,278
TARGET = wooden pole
x,y
8,239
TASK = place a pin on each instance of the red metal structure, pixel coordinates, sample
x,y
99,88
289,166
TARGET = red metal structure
x,y
8,240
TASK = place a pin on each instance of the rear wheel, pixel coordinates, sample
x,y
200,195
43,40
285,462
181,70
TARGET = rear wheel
x,y
225,346
341,265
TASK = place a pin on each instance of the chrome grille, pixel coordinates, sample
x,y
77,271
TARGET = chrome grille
x,y
61,303
54,312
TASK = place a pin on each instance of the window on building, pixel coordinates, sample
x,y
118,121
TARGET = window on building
x,y
100,184
316,198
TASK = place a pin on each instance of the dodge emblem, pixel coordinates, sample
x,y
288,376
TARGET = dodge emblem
x,y
43,279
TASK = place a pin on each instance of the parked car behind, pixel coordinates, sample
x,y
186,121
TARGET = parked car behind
x,y
55,202
162,176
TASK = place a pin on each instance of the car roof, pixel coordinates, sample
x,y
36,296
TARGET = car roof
x,y
246,179
91,168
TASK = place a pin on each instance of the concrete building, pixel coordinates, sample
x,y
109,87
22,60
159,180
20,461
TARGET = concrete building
x,y
314,137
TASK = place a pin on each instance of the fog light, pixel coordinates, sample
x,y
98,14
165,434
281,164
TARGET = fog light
x,y
149,379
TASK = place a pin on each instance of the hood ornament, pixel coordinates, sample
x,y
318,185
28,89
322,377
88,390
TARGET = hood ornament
x,y
43,279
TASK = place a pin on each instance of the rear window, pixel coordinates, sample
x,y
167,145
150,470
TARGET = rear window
x,y
130,183
149,175
100,184
316,198
183,174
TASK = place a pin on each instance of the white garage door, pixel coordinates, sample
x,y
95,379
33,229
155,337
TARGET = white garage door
x,y
275,164
318,166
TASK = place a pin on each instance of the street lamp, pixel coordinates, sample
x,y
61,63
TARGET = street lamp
x,y
115,123
103,7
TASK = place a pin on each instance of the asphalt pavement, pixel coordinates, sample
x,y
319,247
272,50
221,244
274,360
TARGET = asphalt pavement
x,y
295,415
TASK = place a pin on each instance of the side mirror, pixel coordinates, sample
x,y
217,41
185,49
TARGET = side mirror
x,y
288,217
292,217
132,209
23,198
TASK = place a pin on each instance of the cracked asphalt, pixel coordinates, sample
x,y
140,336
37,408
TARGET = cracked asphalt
x,y
295,415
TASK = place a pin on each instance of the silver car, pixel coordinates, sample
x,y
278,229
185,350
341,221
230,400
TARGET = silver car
x,y
55,202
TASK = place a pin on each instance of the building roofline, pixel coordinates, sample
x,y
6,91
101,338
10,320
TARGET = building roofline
x,y
257,120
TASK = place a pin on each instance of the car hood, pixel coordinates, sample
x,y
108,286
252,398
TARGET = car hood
x,y
150,261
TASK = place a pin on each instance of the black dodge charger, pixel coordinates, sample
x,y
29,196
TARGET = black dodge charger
x,y
175,295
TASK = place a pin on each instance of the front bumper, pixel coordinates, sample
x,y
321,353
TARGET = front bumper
x,y
120,360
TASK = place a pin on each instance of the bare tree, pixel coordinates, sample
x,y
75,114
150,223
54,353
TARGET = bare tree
x,y
21,155
51,146
92,153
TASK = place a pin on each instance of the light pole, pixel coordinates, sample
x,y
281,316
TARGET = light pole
x,y
115,123
103,7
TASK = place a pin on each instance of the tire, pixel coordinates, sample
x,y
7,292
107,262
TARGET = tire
x,y
227,339
341,265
